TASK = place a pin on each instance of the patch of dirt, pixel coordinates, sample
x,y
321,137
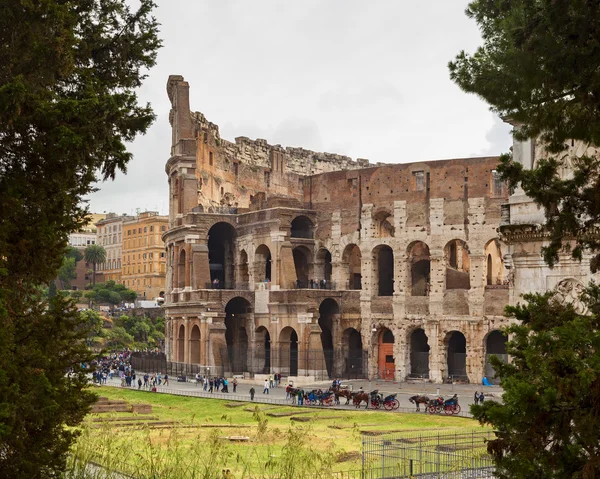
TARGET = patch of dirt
x,y
348,456
287,414
234,404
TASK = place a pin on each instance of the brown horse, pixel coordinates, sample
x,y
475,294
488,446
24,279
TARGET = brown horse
x,y
344,393
359,397
418,400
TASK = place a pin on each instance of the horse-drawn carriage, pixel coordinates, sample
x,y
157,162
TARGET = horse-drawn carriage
x,y
449,406
376,400
437,405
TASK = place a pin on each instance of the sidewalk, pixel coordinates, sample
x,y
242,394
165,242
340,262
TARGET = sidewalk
x,y
277,396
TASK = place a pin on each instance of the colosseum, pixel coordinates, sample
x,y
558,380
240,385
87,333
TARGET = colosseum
x,y
313,265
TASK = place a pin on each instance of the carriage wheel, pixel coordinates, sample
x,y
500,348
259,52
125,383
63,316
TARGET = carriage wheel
x,y
388,405
395,404
449,410
456,409
431,409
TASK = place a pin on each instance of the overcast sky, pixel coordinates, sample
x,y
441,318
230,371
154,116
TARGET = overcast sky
x,y
363,79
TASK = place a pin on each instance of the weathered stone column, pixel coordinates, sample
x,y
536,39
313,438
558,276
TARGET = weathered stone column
x,y
437,366
438,283
477,280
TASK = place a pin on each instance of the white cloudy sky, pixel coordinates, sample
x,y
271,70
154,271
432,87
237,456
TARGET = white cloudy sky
x,y
364,79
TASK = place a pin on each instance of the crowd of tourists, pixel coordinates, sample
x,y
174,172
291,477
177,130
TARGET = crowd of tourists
x,y
118,365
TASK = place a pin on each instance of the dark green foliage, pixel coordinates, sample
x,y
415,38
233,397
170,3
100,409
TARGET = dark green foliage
x,y
69,71
539,67
549,423
111,293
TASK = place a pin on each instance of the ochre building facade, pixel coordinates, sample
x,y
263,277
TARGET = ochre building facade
x,y
314,265
143,265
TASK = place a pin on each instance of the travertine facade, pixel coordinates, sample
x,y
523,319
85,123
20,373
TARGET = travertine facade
x,y
522,230
311,264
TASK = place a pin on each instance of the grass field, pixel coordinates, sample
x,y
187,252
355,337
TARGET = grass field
x,y
190,437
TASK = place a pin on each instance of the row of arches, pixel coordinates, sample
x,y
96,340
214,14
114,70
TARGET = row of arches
x,y
455,352
251,348
228,271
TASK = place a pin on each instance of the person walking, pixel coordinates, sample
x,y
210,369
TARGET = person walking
x,y
210,385
234,385
476,398
266,389
481,398
252,392
225,386
300,396
166,380
139,383
205,383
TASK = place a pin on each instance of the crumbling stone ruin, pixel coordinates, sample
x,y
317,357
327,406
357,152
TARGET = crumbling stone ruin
x,y
314,265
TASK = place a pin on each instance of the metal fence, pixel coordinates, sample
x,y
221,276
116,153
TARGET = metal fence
x,y
286,360
157,363
428,454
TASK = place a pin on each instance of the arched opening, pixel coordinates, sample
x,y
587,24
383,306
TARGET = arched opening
x,y
382,223
221,239
328,311
181,279
262,264
456,346
195,345
386,364
419,354
495,345
351,269
323,268
458,265
495,262
383,262
243,275
353,367
181,344
420,269
302,227
236,336
303,265
288,351
263,350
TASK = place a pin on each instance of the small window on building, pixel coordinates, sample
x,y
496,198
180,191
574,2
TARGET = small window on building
x,y
163,228
145,229
210,158
162,255
128,232
419,180
151,229
144,255
267,179
497,184
389,358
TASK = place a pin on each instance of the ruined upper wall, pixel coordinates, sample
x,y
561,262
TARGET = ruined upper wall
x,y
232,173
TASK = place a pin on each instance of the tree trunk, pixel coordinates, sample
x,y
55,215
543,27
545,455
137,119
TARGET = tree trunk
x,y
94,275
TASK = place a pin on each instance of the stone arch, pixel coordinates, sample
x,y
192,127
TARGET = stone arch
x,y
351,267
455,345
494,261
181,276
181,344
288,351
302,227
303,264
243,277
383,270
419,354
386,364
328,316
383,224
353,354
262,264
237,313
419,262
495,345
221,246
323,267
262,350
458,265
195,357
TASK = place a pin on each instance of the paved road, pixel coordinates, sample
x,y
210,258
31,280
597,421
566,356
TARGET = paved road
x,y
278,396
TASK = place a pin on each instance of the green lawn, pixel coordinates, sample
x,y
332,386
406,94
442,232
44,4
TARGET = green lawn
x,y
278,446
